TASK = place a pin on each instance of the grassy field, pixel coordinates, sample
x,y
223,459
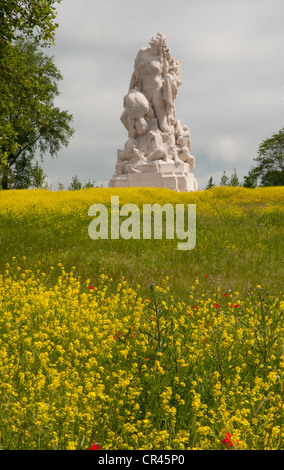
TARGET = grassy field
x,y
135,344
239,237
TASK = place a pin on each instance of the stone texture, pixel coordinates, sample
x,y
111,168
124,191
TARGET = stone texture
x,y
157,152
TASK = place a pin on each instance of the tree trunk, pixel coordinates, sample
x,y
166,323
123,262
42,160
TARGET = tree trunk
x,y
4,182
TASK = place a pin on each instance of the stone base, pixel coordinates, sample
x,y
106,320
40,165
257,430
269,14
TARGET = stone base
x,y
159,174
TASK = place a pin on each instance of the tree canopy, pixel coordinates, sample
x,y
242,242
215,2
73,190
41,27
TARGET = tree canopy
x,y
224,179
270,162
29,120
31,18
28,115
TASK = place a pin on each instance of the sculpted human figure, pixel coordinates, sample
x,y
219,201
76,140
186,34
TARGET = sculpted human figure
x,y
172,81
183,143
136,107
128,158
150,67
162,146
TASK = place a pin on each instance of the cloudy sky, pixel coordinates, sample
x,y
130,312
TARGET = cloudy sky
x,y
231,97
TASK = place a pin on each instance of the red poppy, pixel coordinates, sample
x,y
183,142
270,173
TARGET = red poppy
x,y
225,295
95,446
227,440
91,288
206,275
216,305
237,306
195,307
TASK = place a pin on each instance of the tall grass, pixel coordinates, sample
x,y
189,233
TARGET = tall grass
x,y
239,237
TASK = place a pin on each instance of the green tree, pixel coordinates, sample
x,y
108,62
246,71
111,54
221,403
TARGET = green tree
x,y
210,183
89,184
38,177
250,180
32,121
272,178
234,181
224,180
26,175
270,161
60,186
28,19
75,184
20,177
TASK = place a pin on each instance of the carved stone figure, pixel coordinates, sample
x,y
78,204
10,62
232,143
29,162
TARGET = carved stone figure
x,y
155,138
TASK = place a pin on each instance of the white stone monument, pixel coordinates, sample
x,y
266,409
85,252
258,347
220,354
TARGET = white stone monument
x,y
157,152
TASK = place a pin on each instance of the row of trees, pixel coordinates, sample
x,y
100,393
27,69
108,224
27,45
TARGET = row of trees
x,y
36,178
225,180
30,122
76,184
269,168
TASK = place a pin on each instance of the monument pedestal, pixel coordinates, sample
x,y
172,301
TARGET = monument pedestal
x,y
158,174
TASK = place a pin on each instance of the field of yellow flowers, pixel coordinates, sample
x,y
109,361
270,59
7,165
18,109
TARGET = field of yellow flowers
x,y
132,344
